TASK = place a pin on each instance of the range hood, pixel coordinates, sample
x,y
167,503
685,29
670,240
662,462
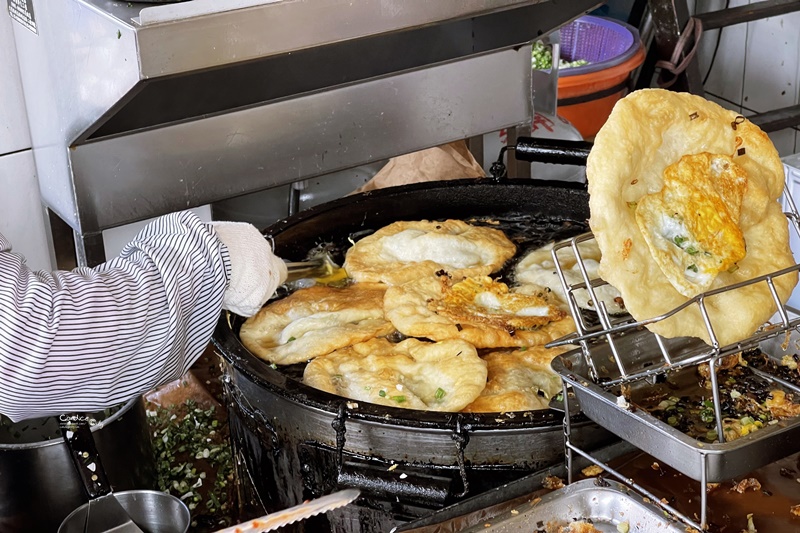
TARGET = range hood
x,y
140,109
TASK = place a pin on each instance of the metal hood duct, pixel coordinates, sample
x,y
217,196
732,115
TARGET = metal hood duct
x,y
137,109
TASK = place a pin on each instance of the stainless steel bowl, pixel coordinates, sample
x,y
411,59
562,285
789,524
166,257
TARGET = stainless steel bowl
x,y
153,511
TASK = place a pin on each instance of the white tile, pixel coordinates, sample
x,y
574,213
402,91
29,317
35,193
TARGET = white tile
x,y
771,69
14,134
792,169
797,100
22,217
727,72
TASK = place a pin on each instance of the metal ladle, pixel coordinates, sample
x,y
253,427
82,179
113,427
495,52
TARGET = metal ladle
x,y
104,513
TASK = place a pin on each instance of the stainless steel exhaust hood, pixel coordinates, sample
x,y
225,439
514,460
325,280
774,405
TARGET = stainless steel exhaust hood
x,y
138,109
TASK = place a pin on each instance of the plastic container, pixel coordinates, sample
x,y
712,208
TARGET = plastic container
x,y
587,94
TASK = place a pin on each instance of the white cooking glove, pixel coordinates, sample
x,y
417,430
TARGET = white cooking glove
x,y
255,271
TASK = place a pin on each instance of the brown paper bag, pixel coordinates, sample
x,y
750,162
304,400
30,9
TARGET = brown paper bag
x,y
446,162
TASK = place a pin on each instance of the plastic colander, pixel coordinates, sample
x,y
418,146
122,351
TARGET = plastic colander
x,y
604,43
587,94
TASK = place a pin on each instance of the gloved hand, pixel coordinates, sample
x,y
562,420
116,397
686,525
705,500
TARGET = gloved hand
x,y
255,270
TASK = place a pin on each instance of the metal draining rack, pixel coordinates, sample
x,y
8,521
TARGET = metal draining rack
x,y
616,338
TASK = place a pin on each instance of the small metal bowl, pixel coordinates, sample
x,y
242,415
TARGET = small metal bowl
x,y
153,511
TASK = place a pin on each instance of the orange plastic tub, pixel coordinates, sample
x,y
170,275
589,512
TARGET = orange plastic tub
x,y
586,100
612,50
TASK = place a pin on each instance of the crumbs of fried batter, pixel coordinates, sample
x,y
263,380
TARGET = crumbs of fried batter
x,y
578,527
591,471
553,483
745,484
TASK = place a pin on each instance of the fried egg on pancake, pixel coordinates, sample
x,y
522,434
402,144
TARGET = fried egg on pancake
x,y
441,376
314,321
537,268
483,312
692,224
486,301
647,132
404,251
519,380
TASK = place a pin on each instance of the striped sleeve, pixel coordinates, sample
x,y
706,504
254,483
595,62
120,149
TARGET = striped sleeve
x,y
92,338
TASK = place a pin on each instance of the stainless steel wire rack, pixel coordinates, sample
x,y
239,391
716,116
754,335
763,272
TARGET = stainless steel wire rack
x,y
617,351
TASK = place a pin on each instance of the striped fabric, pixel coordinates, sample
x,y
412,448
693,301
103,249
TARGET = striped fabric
x,y
92,338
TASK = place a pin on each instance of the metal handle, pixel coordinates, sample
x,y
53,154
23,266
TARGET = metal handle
x,y
408,483
80,442
555,151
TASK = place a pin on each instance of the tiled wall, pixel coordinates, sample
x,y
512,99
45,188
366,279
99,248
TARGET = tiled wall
x,y
757,66
22,218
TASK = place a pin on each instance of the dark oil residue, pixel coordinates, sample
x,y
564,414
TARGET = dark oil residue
x,y
727,509
693,412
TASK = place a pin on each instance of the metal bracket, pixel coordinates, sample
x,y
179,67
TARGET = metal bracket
x,y
251,417
460,436
338,425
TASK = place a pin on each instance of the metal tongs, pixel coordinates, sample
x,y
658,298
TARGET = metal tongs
x,y
321,268
104,512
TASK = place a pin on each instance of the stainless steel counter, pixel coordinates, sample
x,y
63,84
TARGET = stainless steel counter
x,y
137,110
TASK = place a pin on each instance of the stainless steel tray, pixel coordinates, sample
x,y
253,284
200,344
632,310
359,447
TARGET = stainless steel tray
x,y
706,462
606,503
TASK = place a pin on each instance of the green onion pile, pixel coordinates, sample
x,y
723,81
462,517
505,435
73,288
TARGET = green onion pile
x,y
194,462
542,58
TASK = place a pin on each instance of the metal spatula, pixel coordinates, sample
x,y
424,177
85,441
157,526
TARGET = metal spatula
x,y
104,514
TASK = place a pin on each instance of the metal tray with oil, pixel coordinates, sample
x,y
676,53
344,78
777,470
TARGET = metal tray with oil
x,y
703,461
608,505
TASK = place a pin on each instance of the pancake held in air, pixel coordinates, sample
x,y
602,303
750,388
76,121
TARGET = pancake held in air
x,y
519,380
683,197
537,268
482,311
412,374
315,321
404,251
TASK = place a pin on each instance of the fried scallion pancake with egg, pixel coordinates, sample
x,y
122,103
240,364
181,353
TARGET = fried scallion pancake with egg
x,y
412,374
486,301
537,268
482,311
519,380
666,175
404,251
692,224
316,320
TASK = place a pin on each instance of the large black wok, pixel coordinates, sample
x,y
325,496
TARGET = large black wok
x,y
295,442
